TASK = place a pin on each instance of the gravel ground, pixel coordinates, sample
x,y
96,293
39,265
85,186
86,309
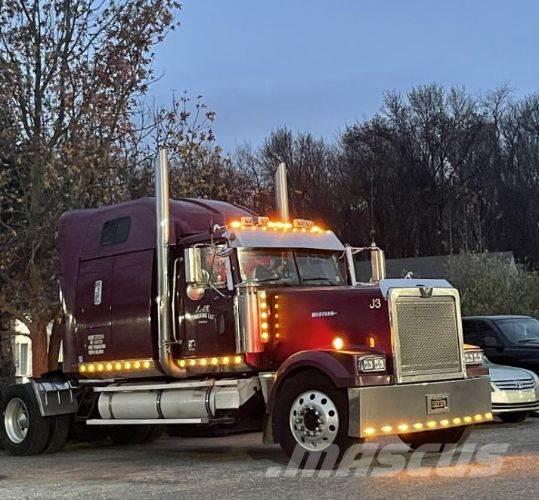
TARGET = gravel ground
x,y
242,467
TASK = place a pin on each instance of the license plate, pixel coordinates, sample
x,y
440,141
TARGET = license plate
x,y
437,403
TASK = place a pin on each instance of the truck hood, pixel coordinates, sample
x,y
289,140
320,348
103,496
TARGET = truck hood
x,y
309,318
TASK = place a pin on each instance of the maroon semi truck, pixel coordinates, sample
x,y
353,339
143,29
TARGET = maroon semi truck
x,y
198,314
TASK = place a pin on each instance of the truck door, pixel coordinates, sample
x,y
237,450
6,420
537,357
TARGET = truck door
x,y
92,312
208,309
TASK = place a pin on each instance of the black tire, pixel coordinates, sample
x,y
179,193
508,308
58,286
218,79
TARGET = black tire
x,y
513,417
155,433
38,428
82,433
294,387
127,435
437,440
60,427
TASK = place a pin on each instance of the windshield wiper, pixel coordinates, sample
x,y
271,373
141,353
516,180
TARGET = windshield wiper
x,y
321,278
524,341
269,280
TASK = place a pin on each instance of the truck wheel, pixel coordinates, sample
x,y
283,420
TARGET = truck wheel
x,y
155,433
312,413
130,434
513,417
60,426
437,440
23,431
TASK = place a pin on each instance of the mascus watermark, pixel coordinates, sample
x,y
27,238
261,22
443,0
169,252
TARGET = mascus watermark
x,y
374,459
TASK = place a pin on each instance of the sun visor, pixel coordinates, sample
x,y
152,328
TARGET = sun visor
x,y
257,238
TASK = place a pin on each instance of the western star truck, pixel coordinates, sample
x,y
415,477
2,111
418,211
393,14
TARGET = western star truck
x,y
198,314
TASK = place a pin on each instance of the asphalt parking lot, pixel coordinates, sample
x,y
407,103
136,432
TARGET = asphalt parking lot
x,y
499,461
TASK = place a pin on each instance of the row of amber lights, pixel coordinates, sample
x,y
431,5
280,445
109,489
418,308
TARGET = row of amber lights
x,y
431,424
276,226
215,361
265,314
146,364
118,366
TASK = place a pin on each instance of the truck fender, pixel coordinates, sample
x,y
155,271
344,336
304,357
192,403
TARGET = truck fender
x,y
338,366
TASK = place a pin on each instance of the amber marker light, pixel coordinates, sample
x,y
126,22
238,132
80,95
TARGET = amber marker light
x,y
237,360
478,418
225,360
418,426
136,365
467,419
488,416
457,420
192,362
431,424
146,364
91,368
182,363
236,224
337,343
444,423
403,427
82,368
109,367
372,342
369,431
214,361
118,366
100,367
387,429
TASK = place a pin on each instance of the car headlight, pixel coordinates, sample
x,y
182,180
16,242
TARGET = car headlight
x,y
371,363
474,357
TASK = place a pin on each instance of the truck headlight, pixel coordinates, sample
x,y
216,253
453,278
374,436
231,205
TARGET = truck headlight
x,y
474,357
371,363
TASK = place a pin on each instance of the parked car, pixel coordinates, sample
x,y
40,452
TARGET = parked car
x,y
515,392
505,340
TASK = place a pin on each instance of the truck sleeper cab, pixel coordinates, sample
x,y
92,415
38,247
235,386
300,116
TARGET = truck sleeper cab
x,y
200,313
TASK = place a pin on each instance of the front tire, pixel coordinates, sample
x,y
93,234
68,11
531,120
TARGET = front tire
x,y
514,417
437,440
311,413
23,431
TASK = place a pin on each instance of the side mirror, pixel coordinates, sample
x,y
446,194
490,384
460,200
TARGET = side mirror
x,y
378,263
194,274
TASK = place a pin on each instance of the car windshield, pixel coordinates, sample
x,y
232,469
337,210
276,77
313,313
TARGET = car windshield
x,y
291,267
520,330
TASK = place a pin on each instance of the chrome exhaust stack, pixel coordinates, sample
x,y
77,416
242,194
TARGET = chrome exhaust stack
x,y
162,213
281,192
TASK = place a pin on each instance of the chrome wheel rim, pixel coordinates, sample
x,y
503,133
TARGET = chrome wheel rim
x,y
16,420
314,420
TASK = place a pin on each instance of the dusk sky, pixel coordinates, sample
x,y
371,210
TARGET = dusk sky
x,y
319,65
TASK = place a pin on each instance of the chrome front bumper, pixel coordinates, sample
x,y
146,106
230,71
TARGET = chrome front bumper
x,y
405,408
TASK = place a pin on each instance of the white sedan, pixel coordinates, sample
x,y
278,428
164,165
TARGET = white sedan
x,y
514,391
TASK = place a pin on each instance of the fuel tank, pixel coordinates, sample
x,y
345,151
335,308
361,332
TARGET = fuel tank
x,y
309,318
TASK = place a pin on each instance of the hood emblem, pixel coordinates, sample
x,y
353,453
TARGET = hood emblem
x,y
323,314
426,292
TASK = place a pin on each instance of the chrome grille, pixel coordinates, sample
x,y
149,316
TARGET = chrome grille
x,y
515,385
427,337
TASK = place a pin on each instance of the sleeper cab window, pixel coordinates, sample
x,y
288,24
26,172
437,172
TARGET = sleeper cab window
x,y
115,231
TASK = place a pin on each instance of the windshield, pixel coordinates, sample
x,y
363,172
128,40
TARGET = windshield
x,y
520,330
291,267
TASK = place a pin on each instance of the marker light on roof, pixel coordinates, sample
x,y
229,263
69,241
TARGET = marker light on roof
x,y
264,223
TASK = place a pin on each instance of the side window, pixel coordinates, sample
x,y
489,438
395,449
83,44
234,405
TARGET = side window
x,y
115,231
470,333
489,336
214,266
